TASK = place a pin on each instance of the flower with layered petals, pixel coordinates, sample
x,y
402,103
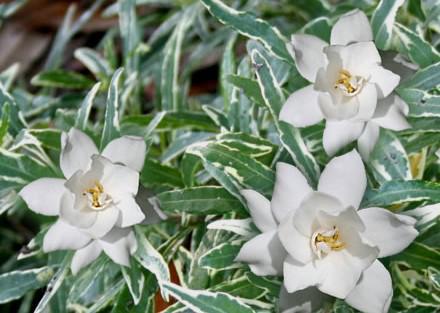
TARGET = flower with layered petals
x,y
350,89
96,202
324,242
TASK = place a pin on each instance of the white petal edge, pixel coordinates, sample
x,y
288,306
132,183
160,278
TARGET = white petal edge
x,y
351,27
368,139
260,211
308,53
338,134
302,108
291,187
85,256
76,151
105,221
391,232
298,276
390,113
385,80
130,212
373,292
295,243
119,244
43,196
264,254
62,236
128,150
344,178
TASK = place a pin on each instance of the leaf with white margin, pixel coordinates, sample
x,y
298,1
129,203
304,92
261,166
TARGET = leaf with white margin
x,y
16,284
398,192
389,160
135,280
207,302
111,119
152,260
94,62
170,65
222,256
419,256
290,136
250,26
241,227
382,22
415,46
424,79
203,200
236,165
54,284
86,106
421,103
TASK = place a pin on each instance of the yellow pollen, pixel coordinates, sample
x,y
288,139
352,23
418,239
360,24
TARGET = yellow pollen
x,y
345,80
332,241
95,192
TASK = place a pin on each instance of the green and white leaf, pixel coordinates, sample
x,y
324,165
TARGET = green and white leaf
x,y
207,302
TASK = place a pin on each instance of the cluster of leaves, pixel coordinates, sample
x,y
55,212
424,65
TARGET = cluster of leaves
x,y
204,148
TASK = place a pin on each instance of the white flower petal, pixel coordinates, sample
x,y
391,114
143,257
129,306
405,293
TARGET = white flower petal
x,y
344,178
351,27
260,211
130,212
337,109
390,113
105,221
367,141
43,195
62,236
119,244
308,54
385,81
308,300
374,291
313,204
76,216
76,151
85,256
301,108
360,58
338,134
340,272
295,243
128,150
264,254
298,276
391,232
367,100
118,181
347,217
291,187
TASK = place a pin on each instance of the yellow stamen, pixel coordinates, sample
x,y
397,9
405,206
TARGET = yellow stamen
x,y
95,192
345,80
332,241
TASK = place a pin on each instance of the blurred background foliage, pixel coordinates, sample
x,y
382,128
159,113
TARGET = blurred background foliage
x,y
187,78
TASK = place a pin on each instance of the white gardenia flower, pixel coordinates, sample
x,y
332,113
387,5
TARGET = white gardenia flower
x,y
96,201
350,89
328,244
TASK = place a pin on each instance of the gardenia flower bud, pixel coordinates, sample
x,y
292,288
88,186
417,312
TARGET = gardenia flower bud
x,y
96,202
321,238
350,89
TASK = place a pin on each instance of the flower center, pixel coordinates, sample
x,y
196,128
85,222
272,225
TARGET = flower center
x,y
348,84
96,197
324,241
